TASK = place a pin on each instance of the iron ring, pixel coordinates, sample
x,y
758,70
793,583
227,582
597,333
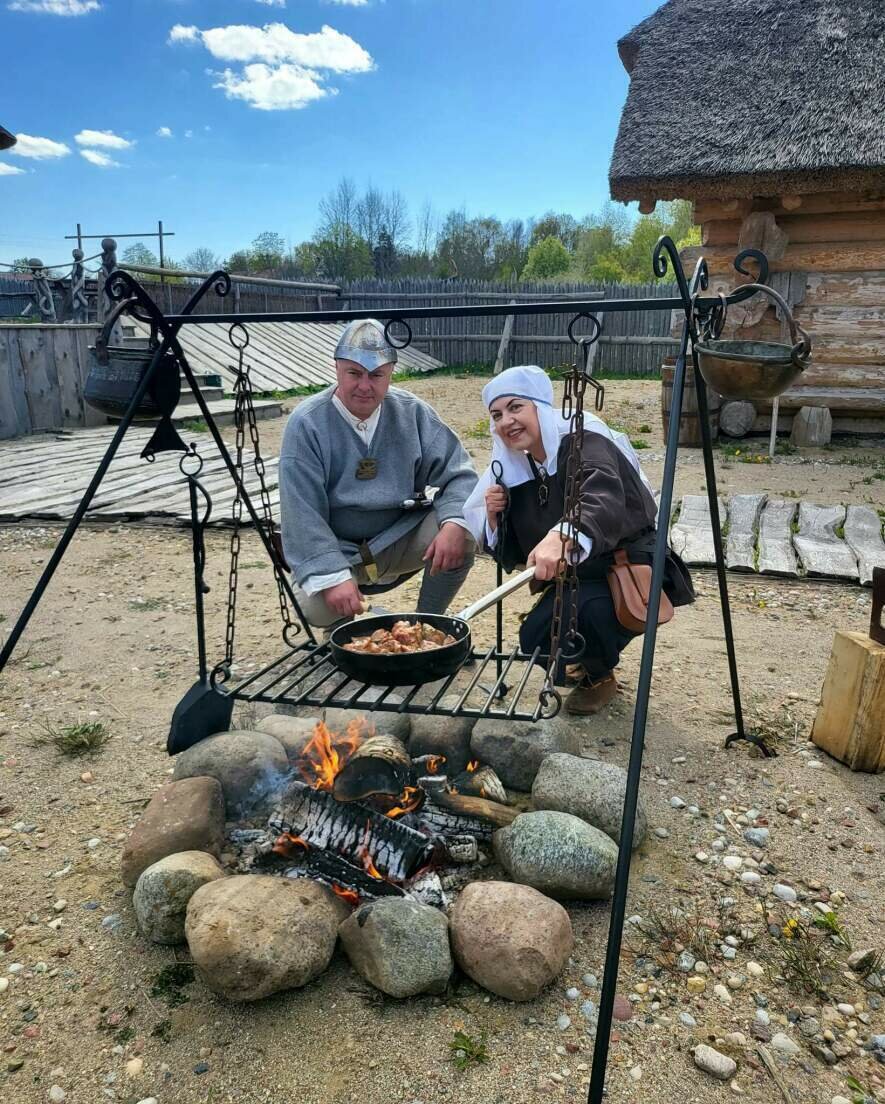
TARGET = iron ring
x,y
238,326
389,338
191,454
584,339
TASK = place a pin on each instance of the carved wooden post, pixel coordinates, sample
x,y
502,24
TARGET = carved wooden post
x,y
42,290
79,302
108,263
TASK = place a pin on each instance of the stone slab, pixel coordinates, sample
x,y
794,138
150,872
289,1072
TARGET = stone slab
x,y
692,535
821,551
776,553
744,511
863,535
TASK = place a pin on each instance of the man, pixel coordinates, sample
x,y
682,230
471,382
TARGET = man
x,y
354,466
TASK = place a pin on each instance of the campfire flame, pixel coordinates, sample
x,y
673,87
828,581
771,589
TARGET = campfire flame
x,y
327,752
287,844
366,858
472,765
409,800
350,896
434,762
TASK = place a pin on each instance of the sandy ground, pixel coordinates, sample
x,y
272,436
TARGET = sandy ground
x,y
113,641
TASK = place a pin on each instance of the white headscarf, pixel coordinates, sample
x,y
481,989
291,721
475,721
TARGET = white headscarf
x,y
533,384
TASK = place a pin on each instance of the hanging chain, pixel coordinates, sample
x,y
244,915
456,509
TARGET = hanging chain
x,y
244,414
567,568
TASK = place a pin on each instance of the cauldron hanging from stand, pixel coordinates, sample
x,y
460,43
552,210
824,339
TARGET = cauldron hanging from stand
x,y
755,369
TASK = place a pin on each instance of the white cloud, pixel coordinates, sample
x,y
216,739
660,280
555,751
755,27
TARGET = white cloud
x,y
273,87
164,132
349,3
273,3
188,134
39,149
10,170
105,139
55,7
100,159
275,43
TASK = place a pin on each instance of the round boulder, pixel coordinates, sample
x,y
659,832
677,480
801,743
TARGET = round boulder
x,y
401,947
448,736
252,935
510,939
587,789
251,766
163,890
391,724
515,749
294,733
558,854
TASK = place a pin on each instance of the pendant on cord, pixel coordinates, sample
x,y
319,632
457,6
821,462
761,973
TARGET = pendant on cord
x,y
367,469
543,489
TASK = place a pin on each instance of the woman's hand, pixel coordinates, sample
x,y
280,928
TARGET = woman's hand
x,y
496,503
545,557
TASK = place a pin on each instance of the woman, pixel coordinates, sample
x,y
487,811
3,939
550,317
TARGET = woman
x,y
530,442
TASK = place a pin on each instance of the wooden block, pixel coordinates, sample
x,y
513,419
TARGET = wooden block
x,y
850,722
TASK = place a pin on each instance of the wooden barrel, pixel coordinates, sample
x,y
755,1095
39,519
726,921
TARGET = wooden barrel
x,y
689,422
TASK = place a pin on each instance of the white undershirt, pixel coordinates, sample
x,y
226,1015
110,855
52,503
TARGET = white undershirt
x,y
365,430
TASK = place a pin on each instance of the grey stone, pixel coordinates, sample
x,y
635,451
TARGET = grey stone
x,y
399,946
692,535
252,935
744,511
294,733
714,1063
863,535
588,789
251,767
812,427
686,962
558,854
757,837
785,893
687,1020
515,749
448,736
821,551
776,553
187,815
164,889
785,1044
510,939
862,961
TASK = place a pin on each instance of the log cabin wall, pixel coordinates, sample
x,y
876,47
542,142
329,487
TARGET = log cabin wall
x,y
827,254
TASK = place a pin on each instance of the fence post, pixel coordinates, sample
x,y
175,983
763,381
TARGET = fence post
x,y
103,305
504,346
79,302
42,290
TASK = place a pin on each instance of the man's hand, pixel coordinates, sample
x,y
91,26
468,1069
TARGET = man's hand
x,y
446,550
345,599
496,503
546,555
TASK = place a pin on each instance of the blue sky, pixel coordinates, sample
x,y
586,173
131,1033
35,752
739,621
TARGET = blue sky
x,y
508,108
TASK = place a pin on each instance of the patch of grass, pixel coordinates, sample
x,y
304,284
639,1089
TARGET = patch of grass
x,y
148,605
667,931
742,454
479,430
2,618
162,1030
777,727
639,443
468,1051
124,1035
839,530
645,429
76,739
804,958
170,982
859,1095
194,425
830,923
254,564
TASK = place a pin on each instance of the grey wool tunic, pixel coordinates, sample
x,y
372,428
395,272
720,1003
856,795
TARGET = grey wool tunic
x,y
326,512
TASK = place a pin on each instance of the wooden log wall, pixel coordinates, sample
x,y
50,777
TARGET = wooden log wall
x,y
42,374
633,344
836,241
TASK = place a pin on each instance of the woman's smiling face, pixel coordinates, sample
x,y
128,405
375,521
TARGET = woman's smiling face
x,y
515,421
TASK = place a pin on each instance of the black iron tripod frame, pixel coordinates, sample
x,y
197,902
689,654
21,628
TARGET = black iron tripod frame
x,y
698,310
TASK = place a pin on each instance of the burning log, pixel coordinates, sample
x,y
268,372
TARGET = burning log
x,y
499,816
380,765
377,844
480,782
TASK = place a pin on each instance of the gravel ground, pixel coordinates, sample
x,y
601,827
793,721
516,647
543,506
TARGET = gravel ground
x,y
85,1012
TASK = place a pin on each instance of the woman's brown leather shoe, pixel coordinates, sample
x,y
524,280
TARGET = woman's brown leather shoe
x,y
589,697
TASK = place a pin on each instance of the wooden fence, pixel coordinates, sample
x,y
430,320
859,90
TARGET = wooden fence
x,y
633,343
42,373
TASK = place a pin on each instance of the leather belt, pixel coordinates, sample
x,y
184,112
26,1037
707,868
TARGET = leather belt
x,y
371,568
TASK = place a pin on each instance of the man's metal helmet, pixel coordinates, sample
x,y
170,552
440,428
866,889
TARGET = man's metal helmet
x,y
363,341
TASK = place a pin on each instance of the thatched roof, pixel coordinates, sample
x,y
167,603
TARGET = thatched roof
x,y
753,97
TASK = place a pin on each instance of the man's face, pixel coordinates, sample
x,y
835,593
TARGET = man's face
x,y
359,390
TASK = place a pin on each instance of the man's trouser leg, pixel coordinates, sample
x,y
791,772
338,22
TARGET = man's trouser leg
x,y
407,555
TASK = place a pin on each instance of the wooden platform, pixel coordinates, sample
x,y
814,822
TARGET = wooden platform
x,y
43,478
282,355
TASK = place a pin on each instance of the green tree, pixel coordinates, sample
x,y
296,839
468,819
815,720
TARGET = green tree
x,y
267,253
139,254
607,269
547,258
202,259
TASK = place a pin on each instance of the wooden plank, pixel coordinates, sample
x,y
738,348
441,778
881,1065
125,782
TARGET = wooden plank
x,y
863,535
813,204
776,553
823,257
744,511
504,346
14,415
857,400
840,376
849,723
62,348
845,289
806,229
692,535
820,550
